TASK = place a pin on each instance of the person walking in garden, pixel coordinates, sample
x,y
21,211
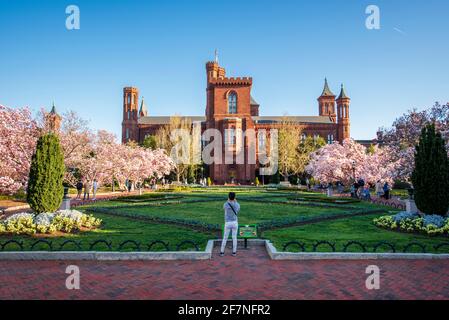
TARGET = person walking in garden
x,y
386,191
86,189
366,193
94,189
379,189
231,209
79,189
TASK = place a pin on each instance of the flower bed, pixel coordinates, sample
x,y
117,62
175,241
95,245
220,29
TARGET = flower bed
x,y
67,221
407,222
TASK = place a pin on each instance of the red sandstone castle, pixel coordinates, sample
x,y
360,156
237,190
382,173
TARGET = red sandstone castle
x,y
229,105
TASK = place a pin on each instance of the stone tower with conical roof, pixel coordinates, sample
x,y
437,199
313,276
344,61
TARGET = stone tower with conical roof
x,y
326,102
53,119
130,128
143,111
343,102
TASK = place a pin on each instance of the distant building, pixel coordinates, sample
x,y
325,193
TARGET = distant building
x,y
229,105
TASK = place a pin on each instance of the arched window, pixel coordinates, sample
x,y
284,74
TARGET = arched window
x,y
232,102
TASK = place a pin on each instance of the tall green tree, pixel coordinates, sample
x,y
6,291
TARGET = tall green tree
x,y
430,177
149,142
45,190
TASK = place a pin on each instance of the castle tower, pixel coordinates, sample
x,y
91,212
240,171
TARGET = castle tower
x,y
343,102
53,120
130,130
143,111
326,102
228,110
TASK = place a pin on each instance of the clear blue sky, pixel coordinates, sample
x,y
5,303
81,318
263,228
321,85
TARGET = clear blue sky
x,y
288,47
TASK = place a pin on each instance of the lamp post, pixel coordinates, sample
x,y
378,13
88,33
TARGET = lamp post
x,y
353,169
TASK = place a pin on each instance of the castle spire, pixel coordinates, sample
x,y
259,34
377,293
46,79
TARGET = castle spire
x,y
143,112
326,90
53,108
342,93
216,56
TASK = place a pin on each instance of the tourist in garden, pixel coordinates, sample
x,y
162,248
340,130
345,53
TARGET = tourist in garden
x,y
329,189
94,189
87,187
79,189
379,189
366,192
360,184
231,209
386,191
354,190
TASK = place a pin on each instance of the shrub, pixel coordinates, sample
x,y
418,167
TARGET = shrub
x,y
404,215
435,225
431,174
433,219
45,190
64,220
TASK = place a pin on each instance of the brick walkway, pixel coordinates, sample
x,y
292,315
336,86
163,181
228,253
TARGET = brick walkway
x,y
251,275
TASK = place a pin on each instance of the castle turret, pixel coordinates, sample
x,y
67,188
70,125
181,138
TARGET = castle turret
x,y
130,130
53,119
326,102
143,111
343,102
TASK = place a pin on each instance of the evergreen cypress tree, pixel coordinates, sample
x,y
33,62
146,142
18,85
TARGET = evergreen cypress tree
x,y
430,177
45,190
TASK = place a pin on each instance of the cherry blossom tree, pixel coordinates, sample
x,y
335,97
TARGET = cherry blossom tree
x,y
349,160
404,134
18,136
86,154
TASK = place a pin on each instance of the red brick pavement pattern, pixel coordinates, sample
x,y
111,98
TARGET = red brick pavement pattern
x,y
250,275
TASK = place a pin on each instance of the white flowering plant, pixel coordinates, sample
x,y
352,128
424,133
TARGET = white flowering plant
x,y
428,224
47,222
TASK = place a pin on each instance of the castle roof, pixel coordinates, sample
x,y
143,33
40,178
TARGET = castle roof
x,y
326,90
143,108
253,102
53,109
298,119
342,93
161,120
166,119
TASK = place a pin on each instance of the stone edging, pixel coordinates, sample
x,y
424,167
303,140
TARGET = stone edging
x,y
109,255
275,255
207,254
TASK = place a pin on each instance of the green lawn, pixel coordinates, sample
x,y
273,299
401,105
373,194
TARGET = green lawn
x,y
212,211
197,214
118,230
341,231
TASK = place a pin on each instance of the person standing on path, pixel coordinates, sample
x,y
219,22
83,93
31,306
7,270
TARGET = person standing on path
x,y
231,209
79,189
86,190
387,191
379,189
94,189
